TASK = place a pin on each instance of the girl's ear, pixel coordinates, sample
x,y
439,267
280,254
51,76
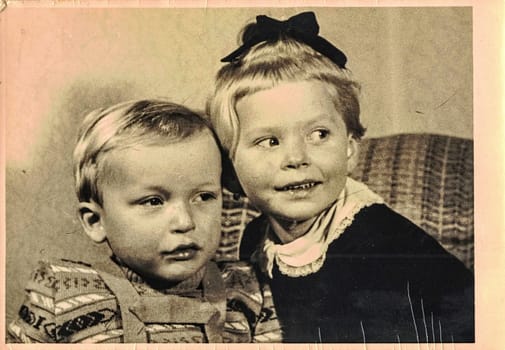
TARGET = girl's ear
x,y
90,215
352,153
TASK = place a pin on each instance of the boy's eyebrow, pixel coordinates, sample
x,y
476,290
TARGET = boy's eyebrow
x,y
154,188
209,184
162,189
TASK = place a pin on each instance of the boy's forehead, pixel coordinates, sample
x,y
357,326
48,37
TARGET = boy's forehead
x,y
153,139
127,159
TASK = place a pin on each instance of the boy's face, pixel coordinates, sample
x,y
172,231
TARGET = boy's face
x,y
293,150
161,208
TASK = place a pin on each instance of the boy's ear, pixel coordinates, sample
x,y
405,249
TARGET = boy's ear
x,y
90,215
352,153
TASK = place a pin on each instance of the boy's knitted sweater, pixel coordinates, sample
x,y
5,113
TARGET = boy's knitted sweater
x,y
70,302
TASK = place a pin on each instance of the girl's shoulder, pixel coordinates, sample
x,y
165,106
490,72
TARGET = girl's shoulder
x,y
381,226
380,232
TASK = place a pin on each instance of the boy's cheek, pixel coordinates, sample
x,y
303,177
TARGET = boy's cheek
x,y
210,218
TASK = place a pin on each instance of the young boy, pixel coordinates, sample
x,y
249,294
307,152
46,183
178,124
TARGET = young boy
x,y
148,180
342,266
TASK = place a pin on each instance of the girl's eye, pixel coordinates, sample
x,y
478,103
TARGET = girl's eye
x,y
268,142
319,135
152,202
205,197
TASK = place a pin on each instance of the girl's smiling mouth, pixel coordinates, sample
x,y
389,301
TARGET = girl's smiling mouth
x,y
298,186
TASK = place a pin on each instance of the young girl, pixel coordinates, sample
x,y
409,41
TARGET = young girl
x,y
342,266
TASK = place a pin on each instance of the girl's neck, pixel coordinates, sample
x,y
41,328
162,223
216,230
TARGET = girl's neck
x,y
288,230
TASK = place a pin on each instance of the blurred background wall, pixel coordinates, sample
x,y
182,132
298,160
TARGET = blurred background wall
x,y
415,66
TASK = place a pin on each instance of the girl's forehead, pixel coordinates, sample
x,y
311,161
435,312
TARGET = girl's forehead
x,y
288,103
253,85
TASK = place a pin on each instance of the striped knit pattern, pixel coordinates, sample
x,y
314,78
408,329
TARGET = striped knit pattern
x,y
68,304
426,178
267,328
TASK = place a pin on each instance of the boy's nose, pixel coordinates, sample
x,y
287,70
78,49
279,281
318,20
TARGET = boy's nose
x,y
295,155
181,220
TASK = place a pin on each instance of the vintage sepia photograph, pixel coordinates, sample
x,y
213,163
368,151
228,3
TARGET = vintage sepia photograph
x,y
240,175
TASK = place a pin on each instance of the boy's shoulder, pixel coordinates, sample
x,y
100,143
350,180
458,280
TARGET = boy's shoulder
x,y
240,279
62,279
63,300
248,297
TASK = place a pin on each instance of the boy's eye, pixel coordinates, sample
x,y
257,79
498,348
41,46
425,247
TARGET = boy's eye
x,y
152,201
268,142
205,197
318,135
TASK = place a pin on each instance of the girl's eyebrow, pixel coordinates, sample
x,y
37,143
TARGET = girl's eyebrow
x,y
323,118
319,118
275,129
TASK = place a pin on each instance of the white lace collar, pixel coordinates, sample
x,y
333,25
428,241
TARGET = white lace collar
x,y
306,254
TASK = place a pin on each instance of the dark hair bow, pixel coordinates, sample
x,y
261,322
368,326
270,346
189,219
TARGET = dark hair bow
x,y
301,27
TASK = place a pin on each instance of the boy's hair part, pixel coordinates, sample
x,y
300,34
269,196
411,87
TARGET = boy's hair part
x,y
270,63
140,122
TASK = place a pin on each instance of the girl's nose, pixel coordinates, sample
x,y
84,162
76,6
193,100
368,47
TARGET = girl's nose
x,y
295,154
181,219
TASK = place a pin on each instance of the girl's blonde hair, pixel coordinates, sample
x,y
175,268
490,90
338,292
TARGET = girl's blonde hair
x,y
124,125
268,64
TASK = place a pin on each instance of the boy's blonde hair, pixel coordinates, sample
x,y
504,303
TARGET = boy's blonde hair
x,y
124,125
269,64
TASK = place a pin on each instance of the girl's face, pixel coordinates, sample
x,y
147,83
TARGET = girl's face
x,y
293,150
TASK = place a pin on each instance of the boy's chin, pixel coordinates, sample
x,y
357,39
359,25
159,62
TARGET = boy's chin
x,y
166,282
172,275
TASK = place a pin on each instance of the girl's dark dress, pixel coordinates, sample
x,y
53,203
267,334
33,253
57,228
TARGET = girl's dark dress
x,y
384,280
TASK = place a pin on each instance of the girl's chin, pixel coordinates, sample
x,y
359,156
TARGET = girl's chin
x,y
290,222
297,215
301,217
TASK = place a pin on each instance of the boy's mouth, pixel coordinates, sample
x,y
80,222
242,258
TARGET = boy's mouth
x,y
298,186
182,252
